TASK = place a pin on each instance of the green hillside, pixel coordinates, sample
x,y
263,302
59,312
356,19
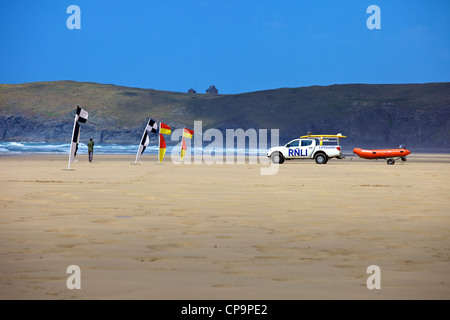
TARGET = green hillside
x,y
350,109
265,108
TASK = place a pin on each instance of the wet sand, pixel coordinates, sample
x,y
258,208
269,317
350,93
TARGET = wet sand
x,y
224,231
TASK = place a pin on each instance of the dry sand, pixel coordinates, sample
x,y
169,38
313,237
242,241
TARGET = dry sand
x,y
224,231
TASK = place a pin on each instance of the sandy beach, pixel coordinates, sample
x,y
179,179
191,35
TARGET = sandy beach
x,y
224,231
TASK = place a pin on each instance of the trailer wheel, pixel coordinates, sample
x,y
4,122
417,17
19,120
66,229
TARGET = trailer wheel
x,y
321,158
390,161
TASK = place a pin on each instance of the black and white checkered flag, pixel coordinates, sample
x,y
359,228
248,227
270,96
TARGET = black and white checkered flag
x,y
144,143
152,126
81,116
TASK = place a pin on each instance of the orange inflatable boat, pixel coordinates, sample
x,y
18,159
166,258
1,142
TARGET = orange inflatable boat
x,y
388,154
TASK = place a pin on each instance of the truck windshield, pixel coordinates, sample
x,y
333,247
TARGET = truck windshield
x,y
293,143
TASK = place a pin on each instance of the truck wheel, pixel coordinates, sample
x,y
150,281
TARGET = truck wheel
x,y
277,158
390,161
321,158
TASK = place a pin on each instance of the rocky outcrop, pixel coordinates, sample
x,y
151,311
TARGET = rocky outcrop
x,y
41,129
387,126
384,126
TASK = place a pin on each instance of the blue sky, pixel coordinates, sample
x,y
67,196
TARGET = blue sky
x,y
239,46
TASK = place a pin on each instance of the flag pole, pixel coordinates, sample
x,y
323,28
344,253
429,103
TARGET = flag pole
x,y
181,151
159,141
71,141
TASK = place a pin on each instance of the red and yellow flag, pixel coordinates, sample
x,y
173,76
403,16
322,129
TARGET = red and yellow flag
x,y
188,133
162,148
183,149
164,129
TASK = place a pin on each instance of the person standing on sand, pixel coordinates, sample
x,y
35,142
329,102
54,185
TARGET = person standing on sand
x,y
90,149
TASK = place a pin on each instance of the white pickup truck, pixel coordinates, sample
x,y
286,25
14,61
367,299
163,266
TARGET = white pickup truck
x,y
318,147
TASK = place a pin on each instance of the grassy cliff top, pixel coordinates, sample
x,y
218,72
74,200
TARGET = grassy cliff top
x,y
262,108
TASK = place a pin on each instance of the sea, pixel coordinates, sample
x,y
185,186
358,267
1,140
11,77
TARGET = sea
x,y
26,148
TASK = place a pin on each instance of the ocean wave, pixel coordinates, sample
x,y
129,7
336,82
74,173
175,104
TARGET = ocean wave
x,y
64,148
16,144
